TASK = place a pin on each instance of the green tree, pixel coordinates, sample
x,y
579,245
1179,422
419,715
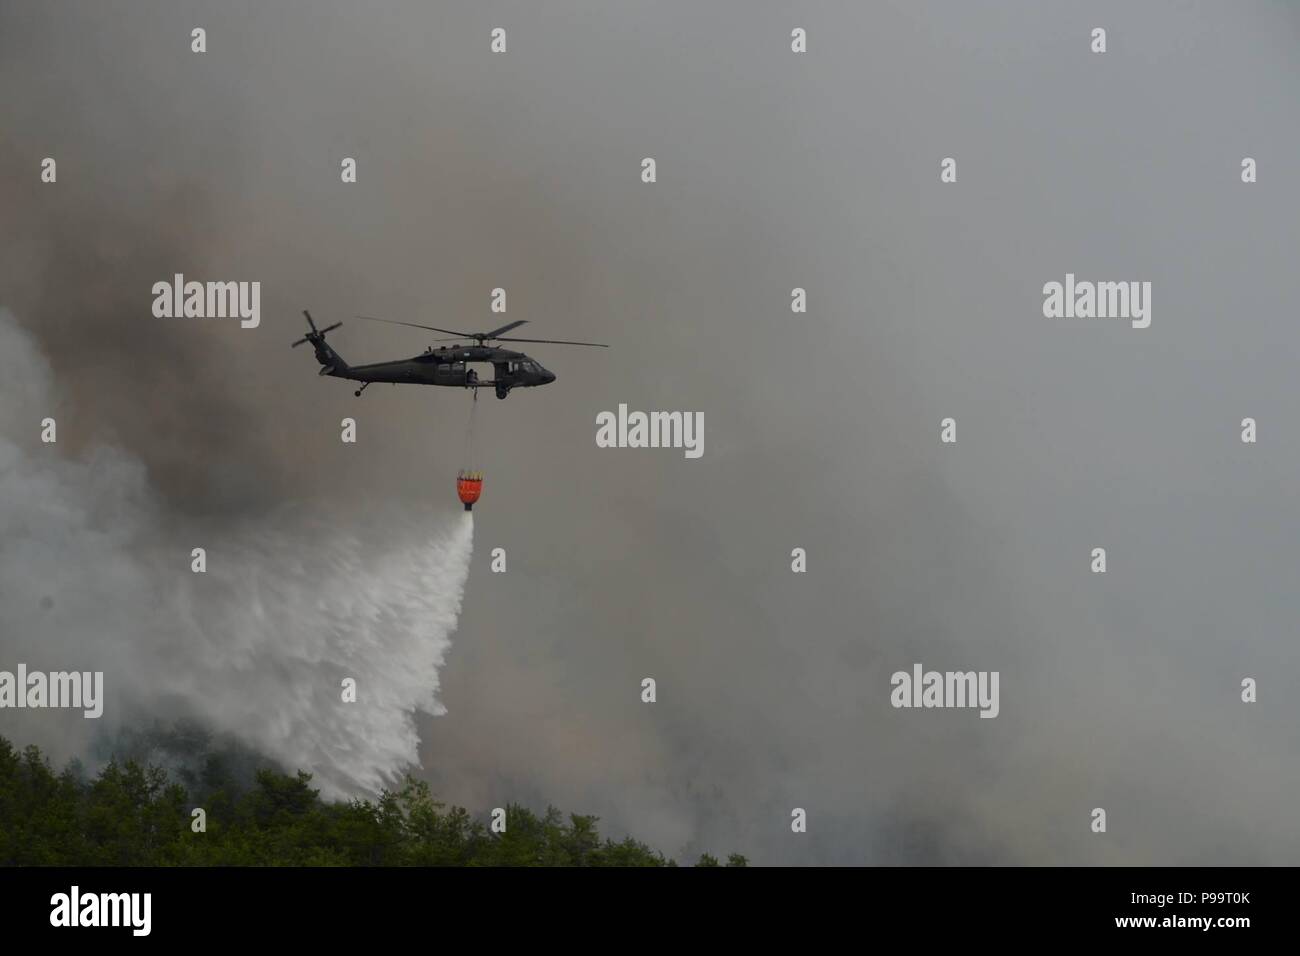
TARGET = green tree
x,y
134,813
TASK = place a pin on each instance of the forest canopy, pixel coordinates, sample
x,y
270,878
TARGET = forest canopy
x,y
136,813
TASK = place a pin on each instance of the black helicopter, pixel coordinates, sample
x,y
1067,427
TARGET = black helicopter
x,y
441,366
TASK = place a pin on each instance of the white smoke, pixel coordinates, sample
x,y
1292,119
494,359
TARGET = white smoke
x,y
96,575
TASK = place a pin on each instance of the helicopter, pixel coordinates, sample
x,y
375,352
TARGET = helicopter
x,y
445,365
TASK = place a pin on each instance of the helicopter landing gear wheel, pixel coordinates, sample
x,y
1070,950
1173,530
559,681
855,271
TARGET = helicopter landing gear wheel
x,y
502,391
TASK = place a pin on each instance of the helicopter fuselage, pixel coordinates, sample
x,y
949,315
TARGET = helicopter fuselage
x,y
447,366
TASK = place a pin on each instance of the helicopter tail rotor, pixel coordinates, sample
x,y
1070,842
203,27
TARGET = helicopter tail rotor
x,y
315,335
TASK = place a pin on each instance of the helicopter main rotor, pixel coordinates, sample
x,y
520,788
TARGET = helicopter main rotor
x,y
481,337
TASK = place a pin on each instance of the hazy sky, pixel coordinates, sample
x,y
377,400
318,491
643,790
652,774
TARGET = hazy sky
x,y
775,170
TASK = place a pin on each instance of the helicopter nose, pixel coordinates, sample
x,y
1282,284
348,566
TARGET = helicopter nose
x,y
548,377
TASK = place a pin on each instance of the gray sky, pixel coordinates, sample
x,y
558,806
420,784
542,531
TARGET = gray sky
x,y
821,430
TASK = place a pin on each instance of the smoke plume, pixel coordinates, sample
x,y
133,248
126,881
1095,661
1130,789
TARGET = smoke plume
x,y
96,575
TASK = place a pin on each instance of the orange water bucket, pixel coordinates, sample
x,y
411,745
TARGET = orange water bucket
x,y
469,485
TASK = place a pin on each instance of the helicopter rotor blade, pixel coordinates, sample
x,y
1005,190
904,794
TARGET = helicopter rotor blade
x,y
481,336
496,333
599,345
416,325
331,328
